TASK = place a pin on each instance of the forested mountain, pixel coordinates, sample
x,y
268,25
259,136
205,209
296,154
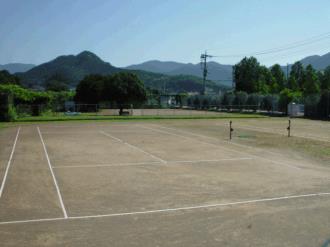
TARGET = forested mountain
x,y
219,73
318,62
71,69
16,67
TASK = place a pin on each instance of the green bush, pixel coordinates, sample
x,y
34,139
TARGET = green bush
x,y
12,114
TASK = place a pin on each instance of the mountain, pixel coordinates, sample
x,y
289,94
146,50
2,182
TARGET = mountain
x,y
16,67
156,66
72,69
318,62
221,74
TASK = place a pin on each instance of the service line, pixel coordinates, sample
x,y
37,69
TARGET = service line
x,y
133,146
53,175
151,163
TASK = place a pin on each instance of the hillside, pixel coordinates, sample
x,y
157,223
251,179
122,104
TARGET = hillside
x,y
178,83
71,69
219,73
318,62
16,67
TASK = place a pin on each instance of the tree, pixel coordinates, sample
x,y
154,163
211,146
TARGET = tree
x,y
246,75
7,78
287,96
57,83
279,78
325,79
124,88
240,99
266,82
296,80
253,101
228,99
90,89
311,84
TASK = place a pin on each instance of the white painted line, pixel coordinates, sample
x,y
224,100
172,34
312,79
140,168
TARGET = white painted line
x,y
207,161
149,163
31,221
109,165
9,163
132,146
53,175
167,210
221,147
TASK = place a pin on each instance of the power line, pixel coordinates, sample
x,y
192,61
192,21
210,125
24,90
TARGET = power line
x,y
290,46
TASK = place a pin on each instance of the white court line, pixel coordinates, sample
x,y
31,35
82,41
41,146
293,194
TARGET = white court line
x,y
221,147
132,146
9,163
167,210
53,175
151,163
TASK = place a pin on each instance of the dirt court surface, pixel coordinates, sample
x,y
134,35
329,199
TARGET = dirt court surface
x,y
166,183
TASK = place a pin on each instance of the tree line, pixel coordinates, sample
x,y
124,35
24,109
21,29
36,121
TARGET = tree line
x,y
301,84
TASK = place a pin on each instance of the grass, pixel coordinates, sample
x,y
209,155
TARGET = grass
x,y
83,117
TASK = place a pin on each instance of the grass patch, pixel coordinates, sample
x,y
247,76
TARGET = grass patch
x,y
83,117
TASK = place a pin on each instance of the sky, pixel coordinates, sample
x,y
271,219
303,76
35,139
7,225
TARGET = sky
x,y
125,32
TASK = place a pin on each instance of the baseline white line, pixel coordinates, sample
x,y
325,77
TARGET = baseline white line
x,y
166,210
53,175
132,146
150,163
221,147
9,163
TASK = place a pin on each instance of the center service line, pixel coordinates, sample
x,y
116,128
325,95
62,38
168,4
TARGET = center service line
x,y
53,175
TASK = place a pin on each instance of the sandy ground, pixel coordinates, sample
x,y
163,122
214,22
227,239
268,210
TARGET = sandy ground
x,y
166,183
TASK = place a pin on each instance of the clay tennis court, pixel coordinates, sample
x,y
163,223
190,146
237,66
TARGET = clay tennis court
x,y
165,183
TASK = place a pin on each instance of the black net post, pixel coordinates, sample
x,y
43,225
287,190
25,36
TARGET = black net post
x,y
289,128
230,130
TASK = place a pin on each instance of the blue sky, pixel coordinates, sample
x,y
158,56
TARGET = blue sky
x,y
125,32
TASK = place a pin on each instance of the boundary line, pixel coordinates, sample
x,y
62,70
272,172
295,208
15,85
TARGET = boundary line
x,y
150,163
53,175
167,210
9,162
132,146
221,147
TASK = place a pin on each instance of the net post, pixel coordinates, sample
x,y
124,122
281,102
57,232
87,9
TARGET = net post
x,y
230,129
289,128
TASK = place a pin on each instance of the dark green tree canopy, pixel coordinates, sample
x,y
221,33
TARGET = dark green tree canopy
x,y
297,74
7,78
325,79
121,88
279,76
246,75
311,84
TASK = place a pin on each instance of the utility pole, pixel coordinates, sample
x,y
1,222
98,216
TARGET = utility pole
x,y
204,58
287,73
